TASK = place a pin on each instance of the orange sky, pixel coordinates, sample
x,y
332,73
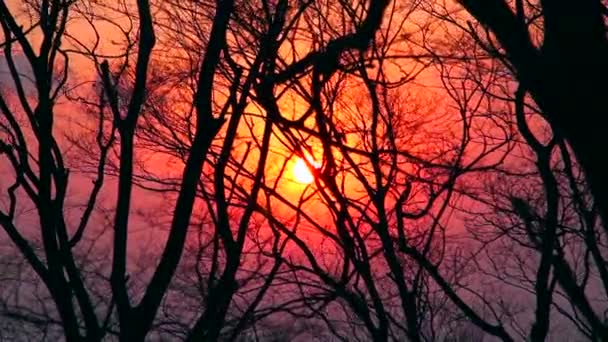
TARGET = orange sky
x,y
423,99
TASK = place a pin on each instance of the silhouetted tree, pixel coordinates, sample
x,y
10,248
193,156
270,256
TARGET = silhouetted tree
x,y
388,173
152,196
544,237
37,156
557,50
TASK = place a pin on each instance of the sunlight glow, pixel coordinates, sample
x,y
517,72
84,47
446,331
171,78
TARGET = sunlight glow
x,y
302,172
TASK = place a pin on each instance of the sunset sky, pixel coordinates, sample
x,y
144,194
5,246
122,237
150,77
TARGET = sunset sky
x,y
361,170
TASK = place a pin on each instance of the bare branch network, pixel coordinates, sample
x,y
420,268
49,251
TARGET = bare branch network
x,y
303,170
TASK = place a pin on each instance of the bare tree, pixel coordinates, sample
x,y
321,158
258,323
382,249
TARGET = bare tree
x,y
539,197
444,187
41,175
557,51
550,237
388,196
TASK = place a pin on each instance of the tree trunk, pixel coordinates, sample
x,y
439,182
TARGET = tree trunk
x,y
563,76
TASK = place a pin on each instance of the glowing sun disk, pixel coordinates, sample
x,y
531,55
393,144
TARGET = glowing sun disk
x,y
302,172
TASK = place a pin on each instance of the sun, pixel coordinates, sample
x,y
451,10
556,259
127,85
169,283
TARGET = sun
x,y
302,172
